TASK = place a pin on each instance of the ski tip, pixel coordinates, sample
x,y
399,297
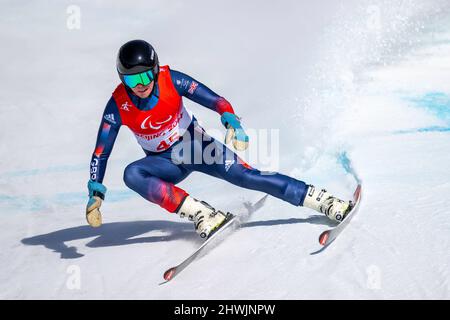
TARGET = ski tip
x,y
324,237
169,274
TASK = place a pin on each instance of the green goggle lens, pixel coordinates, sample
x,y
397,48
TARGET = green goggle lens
x,y
144,78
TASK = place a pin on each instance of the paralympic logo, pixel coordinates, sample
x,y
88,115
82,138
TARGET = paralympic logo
x,y
158,123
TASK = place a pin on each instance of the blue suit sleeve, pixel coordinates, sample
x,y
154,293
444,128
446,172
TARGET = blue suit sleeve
x,y
107,134
194,90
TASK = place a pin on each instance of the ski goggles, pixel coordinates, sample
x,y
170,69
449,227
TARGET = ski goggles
x,y
144,78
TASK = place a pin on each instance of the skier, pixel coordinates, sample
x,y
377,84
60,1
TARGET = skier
x,y
149,102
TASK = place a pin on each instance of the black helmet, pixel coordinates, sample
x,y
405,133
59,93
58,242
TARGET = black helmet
x,y
137,56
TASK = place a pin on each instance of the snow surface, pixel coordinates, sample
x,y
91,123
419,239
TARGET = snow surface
x,y
369,78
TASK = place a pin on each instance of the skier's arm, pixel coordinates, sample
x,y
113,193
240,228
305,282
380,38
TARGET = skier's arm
x,y
194,90
107,133
198,92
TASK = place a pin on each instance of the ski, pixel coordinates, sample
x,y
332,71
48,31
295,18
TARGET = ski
x,y
231,223
328,236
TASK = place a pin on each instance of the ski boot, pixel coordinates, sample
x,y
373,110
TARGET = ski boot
x,y
206,218
322,201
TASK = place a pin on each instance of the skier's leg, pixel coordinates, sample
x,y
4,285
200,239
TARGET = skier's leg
x,y
154,178
230,167
209,156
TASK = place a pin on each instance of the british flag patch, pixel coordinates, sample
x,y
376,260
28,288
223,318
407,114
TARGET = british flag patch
x,y
193,86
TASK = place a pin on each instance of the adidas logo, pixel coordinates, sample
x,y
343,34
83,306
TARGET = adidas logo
x,y
228,164
110,118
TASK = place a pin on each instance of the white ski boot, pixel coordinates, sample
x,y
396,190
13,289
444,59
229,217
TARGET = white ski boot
x,y
322,201
205,217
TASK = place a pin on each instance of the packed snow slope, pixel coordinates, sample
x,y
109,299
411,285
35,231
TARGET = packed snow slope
x,y
369,79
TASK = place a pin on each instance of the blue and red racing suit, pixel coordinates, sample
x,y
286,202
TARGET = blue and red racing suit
x,y
165,129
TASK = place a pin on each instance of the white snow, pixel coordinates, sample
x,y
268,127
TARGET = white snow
x,y
371,78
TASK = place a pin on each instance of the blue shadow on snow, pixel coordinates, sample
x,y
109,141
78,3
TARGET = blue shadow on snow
x,y
126,233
